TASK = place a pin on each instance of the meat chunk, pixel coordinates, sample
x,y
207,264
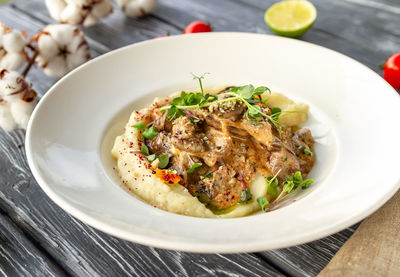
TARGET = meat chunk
x,y
183,128
285,161
262,132
161,123
220,142
303,141
223,188
303,137
160,144
192,145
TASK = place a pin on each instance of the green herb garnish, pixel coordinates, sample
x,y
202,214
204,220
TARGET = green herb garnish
x,y
151,157
145,150
307,151
292,183
150,133
245,195
272,184
208,175
139,125
247,94
194,166
262,202
163,161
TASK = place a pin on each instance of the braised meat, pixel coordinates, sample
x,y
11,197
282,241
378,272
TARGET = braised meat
x,y
227,150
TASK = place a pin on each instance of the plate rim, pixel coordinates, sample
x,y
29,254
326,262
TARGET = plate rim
x,y
178,245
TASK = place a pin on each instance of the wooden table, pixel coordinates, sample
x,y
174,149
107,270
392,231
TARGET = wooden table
x,y
38,238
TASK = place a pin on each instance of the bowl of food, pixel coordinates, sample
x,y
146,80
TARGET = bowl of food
x,y
221,142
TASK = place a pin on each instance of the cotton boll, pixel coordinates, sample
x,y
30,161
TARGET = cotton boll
x,y
12,60
73,14
61,33
7,121
55,8
48,47
86,12
12,44
17,100
137,8
98,11
61,48
21,112
14,41
56,67
11,85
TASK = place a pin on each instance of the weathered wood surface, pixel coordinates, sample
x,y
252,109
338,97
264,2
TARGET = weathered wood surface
x,y
374,249
19,257
366,30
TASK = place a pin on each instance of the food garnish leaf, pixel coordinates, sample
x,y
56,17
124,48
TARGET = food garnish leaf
x,y
151,157
272,184
246,91
261,90
262,202
245,195
208,175
275,110
194,166
163,161
139,125
150,133
145,150
307,152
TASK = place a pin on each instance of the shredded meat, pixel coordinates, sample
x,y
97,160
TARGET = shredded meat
x,y
223,187
228,146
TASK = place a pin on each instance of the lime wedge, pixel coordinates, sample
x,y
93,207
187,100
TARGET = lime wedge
x,y
291,18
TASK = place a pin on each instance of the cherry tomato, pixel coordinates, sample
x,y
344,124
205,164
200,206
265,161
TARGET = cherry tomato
x,y
197,27
391,72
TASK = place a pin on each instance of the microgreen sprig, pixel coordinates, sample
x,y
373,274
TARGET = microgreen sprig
x,y
194,166
246,94
290,185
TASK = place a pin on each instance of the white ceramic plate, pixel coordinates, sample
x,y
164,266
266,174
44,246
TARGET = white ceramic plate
x,y
354,115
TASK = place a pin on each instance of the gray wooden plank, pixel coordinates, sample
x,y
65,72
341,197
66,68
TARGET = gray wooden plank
x,y
354,34
369,28
19,257
311,258
82,251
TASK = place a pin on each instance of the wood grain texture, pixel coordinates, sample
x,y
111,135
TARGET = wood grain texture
x,y
83,251
19,257
374,249
310,258
348,26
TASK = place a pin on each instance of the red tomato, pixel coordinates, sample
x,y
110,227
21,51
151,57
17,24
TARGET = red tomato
x,y
391,73
197,27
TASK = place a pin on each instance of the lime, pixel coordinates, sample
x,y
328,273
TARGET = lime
x,y
291,18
